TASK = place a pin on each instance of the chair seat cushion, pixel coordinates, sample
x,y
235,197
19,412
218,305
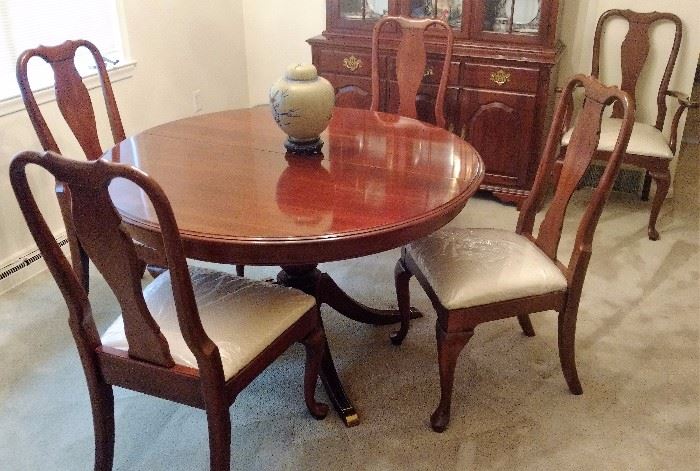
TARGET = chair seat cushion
x,y
645,139
241,316
471,267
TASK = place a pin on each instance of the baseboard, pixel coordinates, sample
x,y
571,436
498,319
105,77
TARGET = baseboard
x,y
23,267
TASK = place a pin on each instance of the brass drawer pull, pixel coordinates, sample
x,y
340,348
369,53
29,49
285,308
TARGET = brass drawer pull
x,y
500,77
352,63
429,72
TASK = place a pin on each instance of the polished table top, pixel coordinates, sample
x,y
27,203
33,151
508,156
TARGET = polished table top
x,y
382,181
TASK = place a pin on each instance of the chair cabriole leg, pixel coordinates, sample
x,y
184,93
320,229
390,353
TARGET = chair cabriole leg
x,y
219,425
567,352
102,402
663,181
646,186
315,344
219,440
402,276
449,346
526,325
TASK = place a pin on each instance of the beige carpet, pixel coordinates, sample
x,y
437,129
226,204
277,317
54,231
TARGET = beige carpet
x,y
637,348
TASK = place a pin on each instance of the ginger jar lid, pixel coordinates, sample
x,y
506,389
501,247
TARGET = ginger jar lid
x,y
301,72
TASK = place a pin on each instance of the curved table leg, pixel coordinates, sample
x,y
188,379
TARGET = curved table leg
x,y
306,278
336,393
330,293
311,280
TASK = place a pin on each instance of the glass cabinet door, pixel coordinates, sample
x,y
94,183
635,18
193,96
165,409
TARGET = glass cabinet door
x,y
363,9
512,16
449,11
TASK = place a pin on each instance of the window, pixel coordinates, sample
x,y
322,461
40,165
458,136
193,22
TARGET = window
x,y
26,24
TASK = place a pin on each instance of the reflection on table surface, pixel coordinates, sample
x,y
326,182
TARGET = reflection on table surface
x,y
227,173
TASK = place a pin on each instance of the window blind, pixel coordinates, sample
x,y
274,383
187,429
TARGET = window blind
x,y
25,24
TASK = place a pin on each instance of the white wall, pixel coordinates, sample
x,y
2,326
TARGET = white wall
x,y
179,47
275,37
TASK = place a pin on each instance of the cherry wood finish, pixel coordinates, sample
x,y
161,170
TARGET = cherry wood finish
x,y
499,88
634,53
148,366
382,180
75,105
410,64
455,327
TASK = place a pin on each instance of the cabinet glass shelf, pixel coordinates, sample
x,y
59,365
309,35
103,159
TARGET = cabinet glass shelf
x,y
363,9
512,16
449,11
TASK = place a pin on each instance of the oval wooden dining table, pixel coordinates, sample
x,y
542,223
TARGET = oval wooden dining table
x,y
239,197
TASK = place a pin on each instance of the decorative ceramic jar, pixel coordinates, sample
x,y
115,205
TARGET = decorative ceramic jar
x,y
302,105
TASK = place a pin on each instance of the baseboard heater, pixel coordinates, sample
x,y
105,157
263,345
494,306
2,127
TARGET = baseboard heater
x,y
26,260
628,180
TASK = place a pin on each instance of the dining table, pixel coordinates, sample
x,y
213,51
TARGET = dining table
x,y
239,197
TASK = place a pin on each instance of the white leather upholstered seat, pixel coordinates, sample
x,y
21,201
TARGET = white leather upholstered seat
x,y
645,139
241,316
471,267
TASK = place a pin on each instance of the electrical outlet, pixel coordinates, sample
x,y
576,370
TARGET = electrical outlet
x,y
197,100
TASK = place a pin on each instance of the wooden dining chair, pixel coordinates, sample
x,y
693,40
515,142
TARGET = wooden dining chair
x,y
479,275
411,61
75,105
648,147
193,336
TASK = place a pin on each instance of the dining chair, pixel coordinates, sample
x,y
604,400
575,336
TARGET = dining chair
x,y
193,336
75,105
478,275
648,147
411,61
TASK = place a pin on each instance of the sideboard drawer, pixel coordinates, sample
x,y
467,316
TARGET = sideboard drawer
x,y
351,91
514,79
433,71
347,63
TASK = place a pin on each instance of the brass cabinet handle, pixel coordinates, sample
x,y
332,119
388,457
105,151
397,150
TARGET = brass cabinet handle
x,y
429,72
500,77
352,63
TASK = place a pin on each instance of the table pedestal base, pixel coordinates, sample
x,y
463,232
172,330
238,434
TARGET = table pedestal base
x,y
309,279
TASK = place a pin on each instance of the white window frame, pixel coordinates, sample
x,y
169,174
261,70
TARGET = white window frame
x,y
14,104
123,70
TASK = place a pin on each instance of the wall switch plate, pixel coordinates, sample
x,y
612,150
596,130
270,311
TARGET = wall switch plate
x,y
197,100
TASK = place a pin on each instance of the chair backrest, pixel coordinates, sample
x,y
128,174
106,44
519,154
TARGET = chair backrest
x,y
411,60
635,51
72,97
116,254
579,154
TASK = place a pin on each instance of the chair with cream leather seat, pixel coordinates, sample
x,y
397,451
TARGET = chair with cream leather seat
x,y
648,147
193,336
479,275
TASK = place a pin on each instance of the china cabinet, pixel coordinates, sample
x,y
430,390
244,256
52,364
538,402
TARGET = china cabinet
x,y
501,82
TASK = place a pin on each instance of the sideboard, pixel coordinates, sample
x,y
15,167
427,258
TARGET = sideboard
x,y
501,83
